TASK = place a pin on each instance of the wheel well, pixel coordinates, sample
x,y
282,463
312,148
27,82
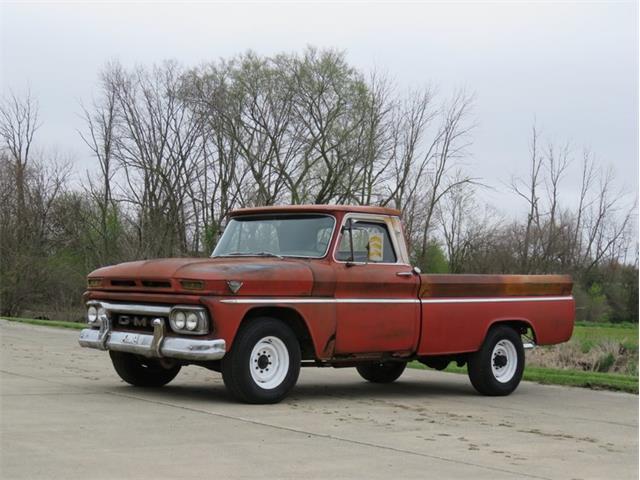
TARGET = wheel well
x,y
521,326
293,319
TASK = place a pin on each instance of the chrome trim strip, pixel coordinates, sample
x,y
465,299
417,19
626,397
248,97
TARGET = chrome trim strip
x,y
251,300
495,299
319,300
161,310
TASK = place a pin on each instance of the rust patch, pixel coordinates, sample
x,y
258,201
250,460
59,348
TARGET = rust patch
x,y
494,285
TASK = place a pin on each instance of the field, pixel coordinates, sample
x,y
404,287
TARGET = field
x,y
599,356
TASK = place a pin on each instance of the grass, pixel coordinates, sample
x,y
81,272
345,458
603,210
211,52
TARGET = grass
x,y
587,338
588,335
46,323
573,378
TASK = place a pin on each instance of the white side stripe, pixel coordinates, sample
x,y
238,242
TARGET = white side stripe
x,y
394,300
496,299
319,300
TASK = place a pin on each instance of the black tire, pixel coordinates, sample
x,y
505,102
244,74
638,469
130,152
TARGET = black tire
x,y
479,366
261,386
142,372
382,372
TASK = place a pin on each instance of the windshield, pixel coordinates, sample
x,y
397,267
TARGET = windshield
x,y
276,235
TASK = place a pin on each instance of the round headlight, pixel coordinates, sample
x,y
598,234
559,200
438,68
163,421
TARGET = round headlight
x,y
92,314
102,313
192,321
180,320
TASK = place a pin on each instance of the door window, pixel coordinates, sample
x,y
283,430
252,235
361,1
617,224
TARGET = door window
x,y
371,243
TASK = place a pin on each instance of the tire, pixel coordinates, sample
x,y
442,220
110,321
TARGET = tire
x,y
264,362
384,372
141,371
496,369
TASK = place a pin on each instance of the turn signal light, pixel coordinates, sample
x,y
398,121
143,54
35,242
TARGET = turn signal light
x,y
192,284
94,282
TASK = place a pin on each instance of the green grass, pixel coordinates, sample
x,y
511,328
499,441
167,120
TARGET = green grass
x,y
46,323
574,378
591,334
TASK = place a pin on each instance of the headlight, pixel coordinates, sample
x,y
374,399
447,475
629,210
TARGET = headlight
x,y
189,320
92,314
180,320
192,321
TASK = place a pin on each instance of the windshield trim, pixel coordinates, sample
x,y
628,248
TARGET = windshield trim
x,y
286,215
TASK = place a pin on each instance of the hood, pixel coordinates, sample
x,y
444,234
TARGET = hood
x,y
259,276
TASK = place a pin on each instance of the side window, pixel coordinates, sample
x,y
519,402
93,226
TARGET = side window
x,y
371,243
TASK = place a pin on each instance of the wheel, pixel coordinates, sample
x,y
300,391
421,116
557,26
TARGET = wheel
x,y
264,362
142,371
383,372
496,369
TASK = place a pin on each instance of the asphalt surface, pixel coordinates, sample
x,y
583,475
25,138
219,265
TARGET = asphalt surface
x,y
65,414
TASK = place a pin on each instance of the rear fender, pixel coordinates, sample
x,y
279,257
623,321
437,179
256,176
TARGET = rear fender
x,y
519,324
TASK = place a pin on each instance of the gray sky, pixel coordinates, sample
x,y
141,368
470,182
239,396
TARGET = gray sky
x,y
571,66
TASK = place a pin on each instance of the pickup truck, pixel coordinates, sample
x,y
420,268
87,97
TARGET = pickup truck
x,y
319,285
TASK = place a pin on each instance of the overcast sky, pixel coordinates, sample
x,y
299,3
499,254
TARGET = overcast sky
x,y
572,66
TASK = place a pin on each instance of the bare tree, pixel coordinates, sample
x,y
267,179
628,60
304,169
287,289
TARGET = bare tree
x,y
18,125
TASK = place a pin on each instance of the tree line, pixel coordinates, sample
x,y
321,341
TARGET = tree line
x,y
176,149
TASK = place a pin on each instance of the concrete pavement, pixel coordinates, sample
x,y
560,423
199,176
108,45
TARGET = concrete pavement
x,y
65,414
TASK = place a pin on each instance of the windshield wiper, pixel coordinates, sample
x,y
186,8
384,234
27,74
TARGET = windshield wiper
x,y
253,254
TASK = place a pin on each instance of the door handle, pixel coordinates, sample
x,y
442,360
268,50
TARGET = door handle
x,y
404,274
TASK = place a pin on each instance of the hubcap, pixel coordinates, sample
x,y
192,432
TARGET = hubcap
x,y
269,362
504,361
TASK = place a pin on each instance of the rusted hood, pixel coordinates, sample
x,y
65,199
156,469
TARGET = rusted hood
x,y
268,277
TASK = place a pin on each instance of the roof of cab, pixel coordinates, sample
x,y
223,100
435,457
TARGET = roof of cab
x,y
315,209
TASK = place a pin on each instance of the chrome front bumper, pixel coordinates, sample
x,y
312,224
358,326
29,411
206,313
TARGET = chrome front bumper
x,y
156,345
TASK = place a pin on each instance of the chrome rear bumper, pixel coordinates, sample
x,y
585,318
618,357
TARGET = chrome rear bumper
x,y
156,345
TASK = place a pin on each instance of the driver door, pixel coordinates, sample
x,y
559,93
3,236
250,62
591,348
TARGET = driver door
x,y
377,306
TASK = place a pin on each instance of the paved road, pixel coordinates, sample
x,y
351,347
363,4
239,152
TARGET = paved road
x,y
65,414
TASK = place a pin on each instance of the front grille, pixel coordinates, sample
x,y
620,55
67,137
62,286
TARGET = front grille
x,y
136,323
156,284
144,283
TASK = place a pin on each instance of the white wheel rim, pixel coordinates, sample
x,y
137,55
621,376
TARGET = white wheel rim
x,y
269,362
504,361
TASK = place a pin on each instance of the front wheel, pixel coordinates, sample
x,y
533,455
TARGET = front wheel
x,y
264,363
381,372
141,371
496,369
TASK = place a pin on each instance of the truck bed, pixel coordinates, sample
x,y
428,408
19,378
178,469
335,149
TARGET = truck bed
x,y
458,310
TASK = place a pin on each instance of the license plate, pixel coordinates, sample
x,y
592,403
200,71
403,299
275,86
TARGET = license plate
x,y
132,339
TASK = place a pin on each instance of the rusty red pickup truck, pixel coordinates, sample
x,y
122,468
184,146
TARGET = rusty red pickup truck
x,y
324,286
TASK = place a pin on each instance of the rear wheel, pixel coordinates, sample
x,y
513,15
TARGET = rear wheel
x,y
141,371
497,368
264,362
382,372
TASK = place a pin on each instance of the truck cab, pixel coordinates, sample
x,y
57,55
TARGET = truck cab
x,y
314,285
